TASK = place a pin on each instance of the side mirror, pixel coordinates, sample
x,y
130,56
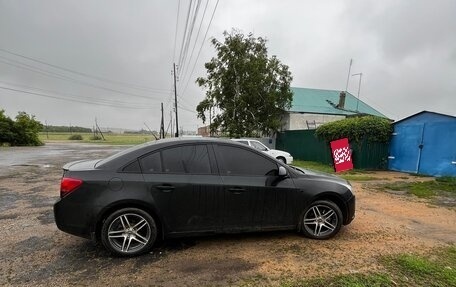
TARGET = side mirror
x,y
282,171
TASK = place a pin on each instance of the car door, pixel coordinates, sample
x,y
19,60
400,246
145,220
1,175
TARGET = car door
x,y
255,196
185,187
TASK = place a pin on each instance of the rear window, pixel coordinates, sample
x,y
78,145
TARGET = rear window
x,y
152,163
124,152
192,159
132,167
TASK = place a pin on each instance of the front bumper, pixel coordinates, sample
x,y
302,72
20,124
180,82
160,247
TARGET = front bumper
x,y
351,206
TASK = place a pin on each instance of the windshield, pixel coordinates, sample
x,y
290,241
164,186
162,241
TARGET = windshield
x,y
259,146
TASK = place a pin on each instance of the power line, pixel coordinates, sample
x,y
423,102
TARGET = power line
x,y
185,32
201,47
95,100
71,100
196,40
175,34
63,77
134,86
184,100
185,109
182,63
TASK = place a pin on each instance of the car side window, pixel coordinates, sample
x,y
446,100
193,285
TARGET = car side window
x,y
151,163
238,161
243,142
186,159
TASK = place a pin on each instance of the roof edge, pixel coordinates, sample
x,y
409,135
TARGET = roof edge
x,y
422,112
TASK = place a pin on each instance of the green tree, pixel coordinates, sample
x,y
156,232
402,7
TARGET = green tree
x,y
246,90
21,132
6,129
26,130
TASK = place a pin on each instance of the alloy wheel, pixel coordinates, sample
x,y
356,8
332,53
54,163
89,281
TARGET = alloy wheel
x,y
129,233
321,221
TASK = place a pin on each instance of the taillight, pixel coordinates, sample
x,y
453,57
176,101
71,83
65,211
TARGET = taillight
x,y
68,185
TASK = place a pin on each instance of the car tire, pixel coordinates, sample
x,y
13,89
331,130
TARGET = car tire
x,y
129,232
282,160
321,220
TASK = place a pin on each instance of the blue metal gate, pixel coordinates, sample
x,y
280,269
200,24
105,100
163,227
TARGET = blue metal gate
x,y
425,148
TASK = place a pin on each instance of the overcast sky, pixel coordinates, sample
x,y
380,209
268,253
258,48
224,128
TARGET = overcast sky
x,y
117,56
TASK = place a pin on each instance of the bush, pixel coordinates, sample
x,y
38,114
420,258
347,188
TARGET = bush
x,y
358,129
21,132
75,138
95,138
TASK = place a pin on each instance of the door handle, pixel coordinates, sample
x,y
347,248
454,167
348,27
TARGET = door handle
x,y
237,190
165,187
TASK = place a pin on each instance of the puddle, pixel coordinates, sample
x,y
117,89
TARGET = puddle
x,y
7,200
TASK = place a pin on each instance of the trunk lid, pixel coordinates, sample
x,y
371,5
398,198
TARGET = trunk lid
x,y
80,165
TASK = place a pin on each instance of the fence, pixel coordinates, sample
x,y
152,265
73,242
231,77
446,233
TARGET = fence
x,y
304,145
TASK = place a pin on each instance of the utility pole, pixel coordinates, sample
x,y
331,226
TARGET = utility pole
x,y
348,78
47,129
162,125
175,100
172,122
210,121
96,124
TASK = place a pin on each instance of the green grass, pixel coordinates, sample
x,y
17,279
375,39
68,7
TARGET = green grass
x,y
314,165
110,138
425,189
355,280
354,175
435,269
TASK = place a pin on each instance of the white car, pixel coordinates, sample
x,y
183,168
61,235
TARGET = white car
x,y
283,156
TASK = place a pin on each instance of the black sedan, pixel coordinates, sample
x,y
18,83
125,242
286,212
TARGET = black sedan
x,y
184,187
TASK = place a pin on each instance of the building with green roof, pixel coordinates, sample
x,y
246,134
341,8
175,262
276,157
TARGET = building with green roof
x,y
311,108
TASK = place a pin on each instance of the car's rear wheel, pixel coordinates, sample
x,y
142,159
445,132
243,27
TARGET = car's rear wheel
x,y
129,232
322,220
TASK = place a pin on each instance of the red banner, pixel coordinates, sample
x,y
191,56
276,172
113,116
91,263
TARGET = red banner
x,y
341,155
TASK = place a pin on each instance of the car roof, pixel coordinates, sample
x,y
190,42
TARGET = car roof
x,y
244,139
127,155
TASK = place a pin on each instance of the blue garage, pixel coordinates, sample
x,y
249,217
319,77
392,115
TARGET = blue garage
x,y
424,143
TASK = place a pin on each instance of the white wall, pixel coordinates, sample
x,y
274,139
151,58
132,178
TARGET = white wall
x,y
297,121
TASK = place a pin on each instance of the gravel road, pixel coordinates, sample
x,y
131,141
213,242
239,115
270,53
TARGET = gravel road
x,y
35,253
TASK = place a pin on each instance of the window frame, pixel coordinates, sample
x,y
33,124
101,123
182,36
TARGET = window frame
x,y
211,157
220,161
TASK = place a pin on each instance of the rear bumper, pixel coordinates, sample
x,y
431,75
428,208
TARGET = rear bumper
x,y
70,218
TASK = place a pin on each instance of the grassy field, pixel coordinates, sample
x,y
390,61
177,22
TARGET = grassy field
x,y
110,138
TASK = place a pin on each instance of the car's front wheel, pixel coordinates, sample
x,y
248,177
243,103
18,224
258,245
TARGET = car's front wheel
x,y
322,220
129,232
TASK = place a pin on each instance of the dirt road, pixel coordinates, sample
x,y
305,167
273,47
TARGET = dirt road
x,y
33,252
